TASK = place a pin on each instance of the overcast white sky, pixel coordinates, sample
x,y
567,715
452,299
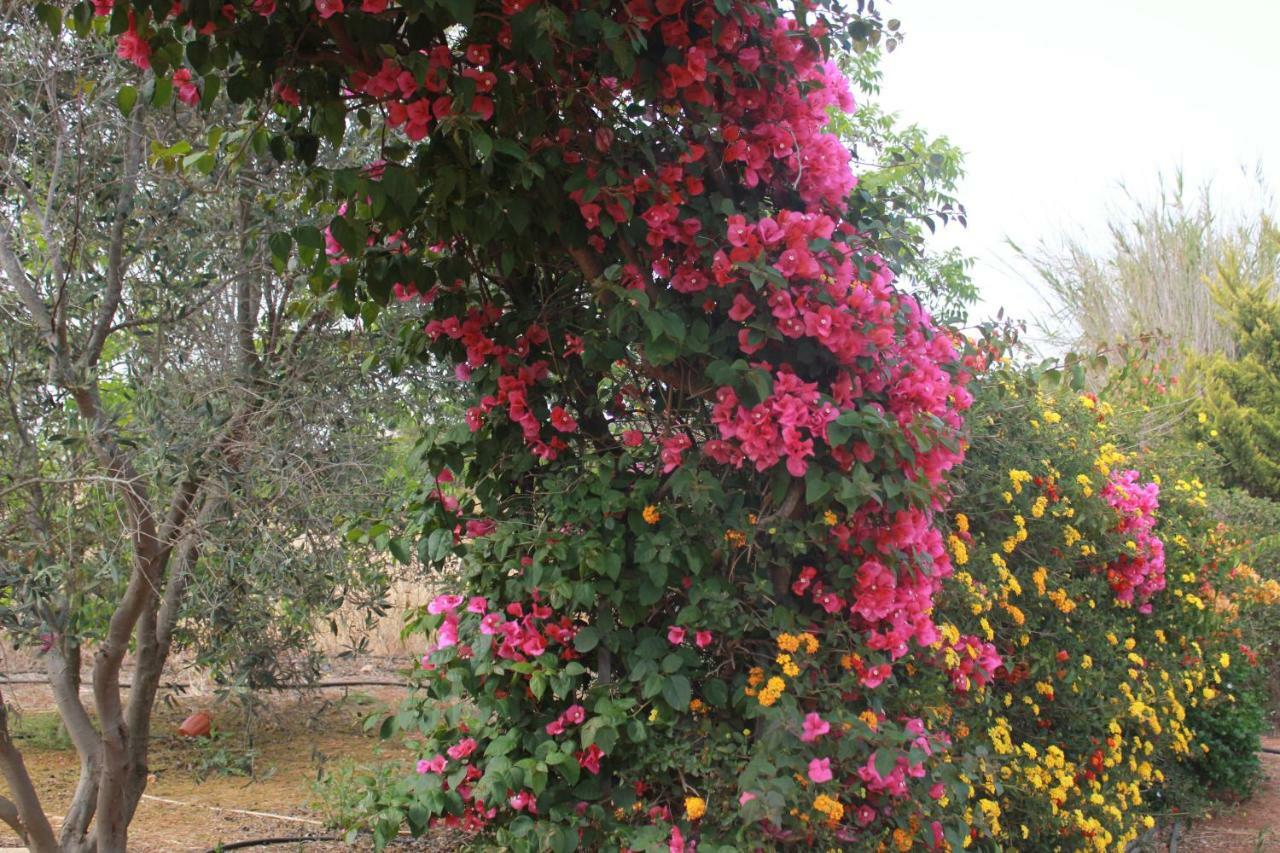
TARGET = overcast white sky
x,y
1056,104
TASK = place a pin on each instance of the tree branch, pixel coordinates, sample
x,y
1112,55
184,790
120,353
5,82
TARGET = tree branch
x,y
11,265
247,295
64,678
26,802
9,815
115,250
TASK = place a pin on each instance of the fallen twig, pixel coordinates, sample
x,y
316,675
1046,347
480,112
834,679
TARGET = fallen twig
x,y
173,685
263,842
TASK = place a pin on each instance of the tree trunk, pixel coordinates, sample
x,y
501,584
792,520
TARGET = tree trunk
x,y
25,813
64,677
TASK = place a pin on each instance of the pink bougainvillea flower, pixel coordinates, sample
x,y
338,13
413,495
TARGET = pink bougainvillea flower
x,y
742,308
574,715
702,639
633,438
444,603
589,758
534,644
814,727
134,47
523,801
478,527
820,770
434,765
328,8
462,749
673,448
745,797
562,420
188,92
675,635
447,636
373,7
875,675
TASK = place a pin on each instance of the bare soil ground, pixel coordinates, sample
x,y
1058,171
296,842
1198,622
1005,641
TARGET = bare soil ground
x,y
191,804
191,807
1249,827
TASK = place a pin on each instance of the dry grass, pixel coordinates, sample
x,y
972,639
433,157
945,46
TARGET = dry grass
x,y
294,739
386,637
1155,277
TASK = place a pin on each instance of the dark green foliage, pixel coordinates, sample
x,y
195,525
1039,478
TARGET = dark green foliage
x,y
1243,393
1231,766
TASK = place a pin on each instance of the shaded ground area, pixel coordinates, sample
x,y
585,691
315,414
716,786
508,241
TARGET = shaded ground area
x,y
1249,827
256,777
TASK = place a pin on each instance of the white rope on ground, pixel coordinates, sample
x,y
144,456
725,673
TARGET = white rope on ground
x,y
270,815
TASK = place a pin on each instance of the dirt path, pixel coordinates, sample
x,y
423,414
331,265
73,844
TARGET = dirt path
x,y
1250,827
251,781
193,803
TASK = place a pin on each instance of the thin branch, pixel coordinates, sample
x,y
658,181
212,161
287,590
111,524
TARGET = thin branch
x,y
11,265
9,814
115,251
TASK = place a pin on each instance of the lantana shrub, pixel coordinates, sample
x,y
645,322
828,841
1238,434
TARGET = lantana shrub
x,y
1094,566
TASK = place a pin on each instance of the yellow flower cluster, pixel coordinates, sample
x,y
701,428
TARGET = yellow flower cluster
x,y
1019,478
789,644
829,807
793,642
695,807
771,692
1109,456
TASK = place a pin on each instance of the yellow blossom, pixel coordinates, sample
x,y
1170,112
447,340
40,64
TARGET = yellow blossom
x,y
829,807
695,807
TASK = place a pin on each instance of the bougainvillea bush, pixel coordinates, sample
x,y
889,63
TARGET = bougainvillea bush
x,y
1114,604
694,498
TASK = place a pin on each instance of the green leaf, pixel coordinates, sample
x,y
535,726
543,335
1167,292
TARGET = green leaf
x,y
677,692
587,638
463,11
212,86
501,745
816,485
886,760
400,550
126,99
280,244
51,17
439,545
163,93
308,236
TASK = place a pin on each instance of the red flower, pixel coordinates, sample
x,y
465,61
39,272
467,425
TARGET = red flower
x,y
590,758
562,420
328,8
